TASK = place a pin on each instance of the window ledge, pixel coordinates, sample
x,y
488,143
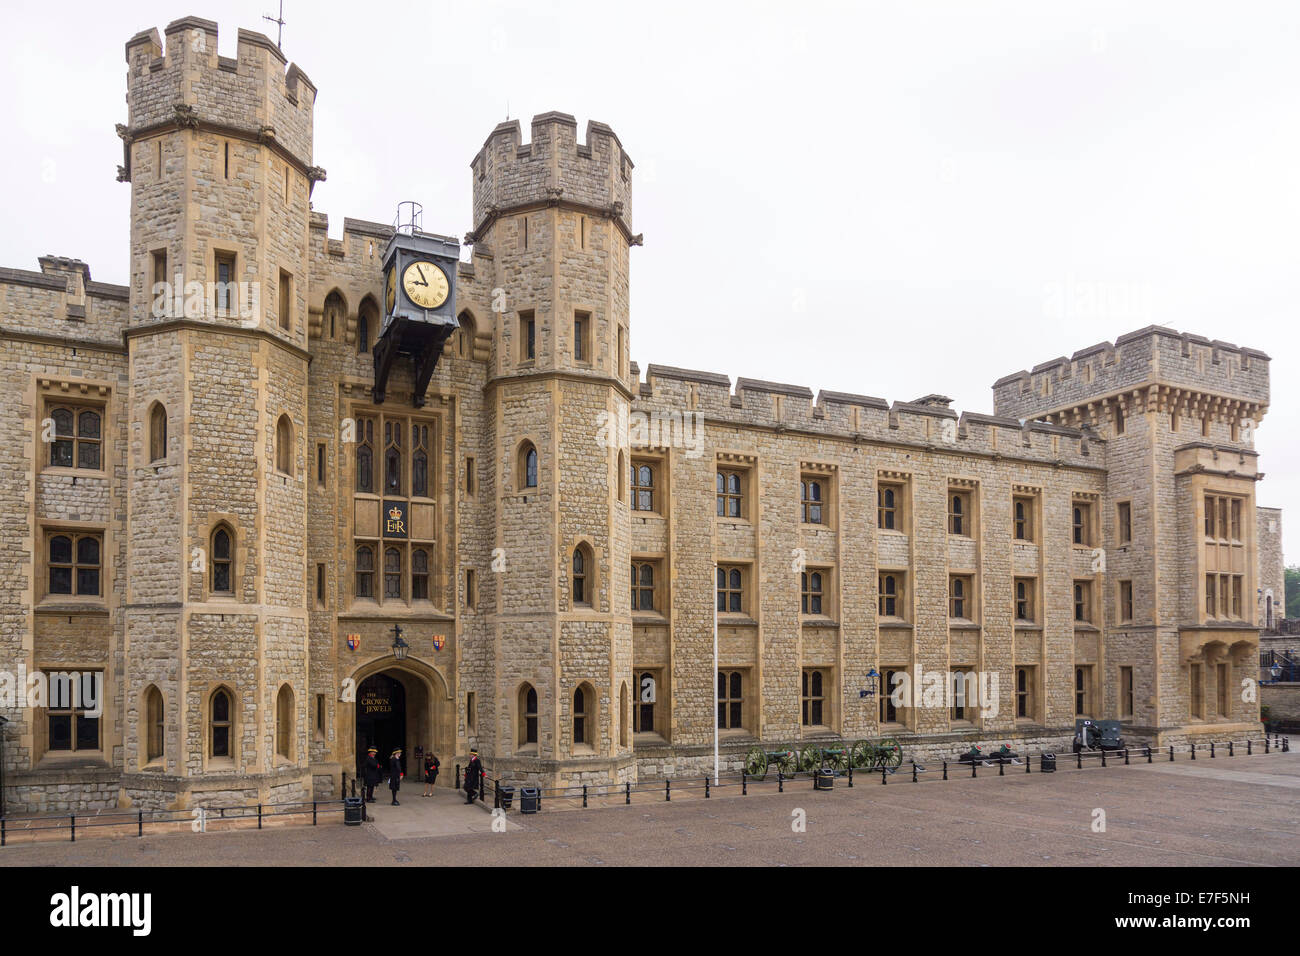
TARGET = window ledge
x,y
730,619
893,622
735,734
1086,627
1028,626
648,617
71,604
72,759
818,620
65,471
648,737
962,624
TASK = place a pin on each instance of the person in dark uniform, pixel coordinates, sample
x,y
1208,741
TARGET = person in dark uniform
x,y
431,766
473,776
371,773
395,774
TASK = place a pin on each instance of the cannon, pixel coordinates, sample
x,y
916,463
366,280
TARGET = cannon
x,y
758,761
885,754
977,755
812,757
1097,735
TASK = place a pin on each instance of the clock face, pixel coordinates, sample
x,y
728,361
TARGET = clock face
x,y
390,294
425,284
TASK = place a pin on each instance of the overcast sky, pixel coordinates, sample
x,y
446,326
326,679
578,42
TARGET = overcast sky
x,y
884,198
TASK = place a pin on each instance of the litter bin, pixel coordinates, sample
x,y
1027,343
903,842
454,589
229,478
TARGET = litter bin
x,y
352,807
530,801
824,779
507,795
1048,763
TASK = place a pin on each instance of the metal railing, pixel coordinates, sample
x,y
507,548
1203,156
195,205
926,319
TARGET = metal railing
x,y
944,769
1287,664
199,818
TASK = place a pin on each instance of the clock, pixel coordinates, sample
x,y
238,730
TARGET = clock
x,y
425,284
390,294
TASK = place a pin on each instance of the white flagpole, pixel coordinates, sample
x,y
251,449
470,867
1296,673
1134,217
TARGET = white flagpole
x,y
713,586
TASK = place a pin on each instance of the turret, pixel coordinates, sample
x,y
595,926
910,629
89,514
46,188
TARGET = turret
x,y
218,154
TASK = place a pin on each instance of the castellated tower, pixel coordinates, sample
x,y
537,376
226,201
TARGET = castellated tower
x,y
1177,522
551,248
219,156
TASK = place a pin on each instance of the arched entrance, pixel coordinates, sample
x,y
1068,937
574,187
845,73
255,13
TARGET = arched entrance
x,y
381,717
402,705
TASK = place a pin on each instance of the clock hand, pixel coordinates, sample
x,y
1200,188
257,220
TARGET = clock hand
x,y
420,269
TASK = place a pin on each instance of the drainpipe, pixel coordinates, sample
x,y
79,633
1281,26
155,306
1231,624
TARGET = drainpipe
x,y
3,720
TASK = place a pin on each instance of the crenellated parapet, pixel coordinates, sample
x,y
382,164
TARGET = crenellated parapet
x,y
553,169
256,96
864,419
1153,369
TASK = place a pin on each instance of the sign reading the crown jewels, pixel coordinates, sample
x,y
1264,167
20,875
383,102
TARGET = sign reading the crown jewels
x,y
395,519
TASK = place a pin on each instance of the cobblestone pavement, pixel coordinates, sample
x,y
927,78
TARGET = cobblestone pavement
x,y
1231,812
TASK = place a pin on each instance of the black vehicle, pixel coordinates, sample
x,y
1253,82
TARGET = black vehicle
x,y
1097,735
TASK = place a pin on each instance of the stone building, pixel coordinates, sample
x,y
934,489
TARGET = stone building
x,y
232,500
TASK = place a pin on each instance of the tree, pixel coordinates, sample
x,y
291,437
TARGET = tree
x,y
1293,591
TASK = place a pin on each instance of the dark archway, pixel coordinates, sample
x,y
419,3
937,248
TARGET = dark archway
x,y
381,719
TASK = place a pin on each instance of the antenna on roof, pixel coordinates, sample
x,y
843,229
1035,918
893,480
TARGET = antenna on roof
x,y
279,22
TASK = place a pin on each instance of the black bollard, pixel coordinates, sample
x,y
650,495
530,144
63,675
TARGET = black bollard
x,y
850,776
884,777
1148,753
627,792
1248,749
706,788
1211,749
1193,751
1002,764
972,766
780,781
584,797
1171,753
1103,758
1126,763
1078,757
668,791
744,784
945,770
913,771
1230,753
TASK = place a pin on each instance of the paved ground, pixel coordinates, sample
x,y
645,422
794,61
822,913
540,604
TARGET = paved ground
x,y
1230,812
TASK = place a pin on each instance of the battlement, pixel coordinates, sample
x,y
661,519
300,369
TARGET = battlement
x,y
190,85
1181,368
362,239
926,423
553,168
